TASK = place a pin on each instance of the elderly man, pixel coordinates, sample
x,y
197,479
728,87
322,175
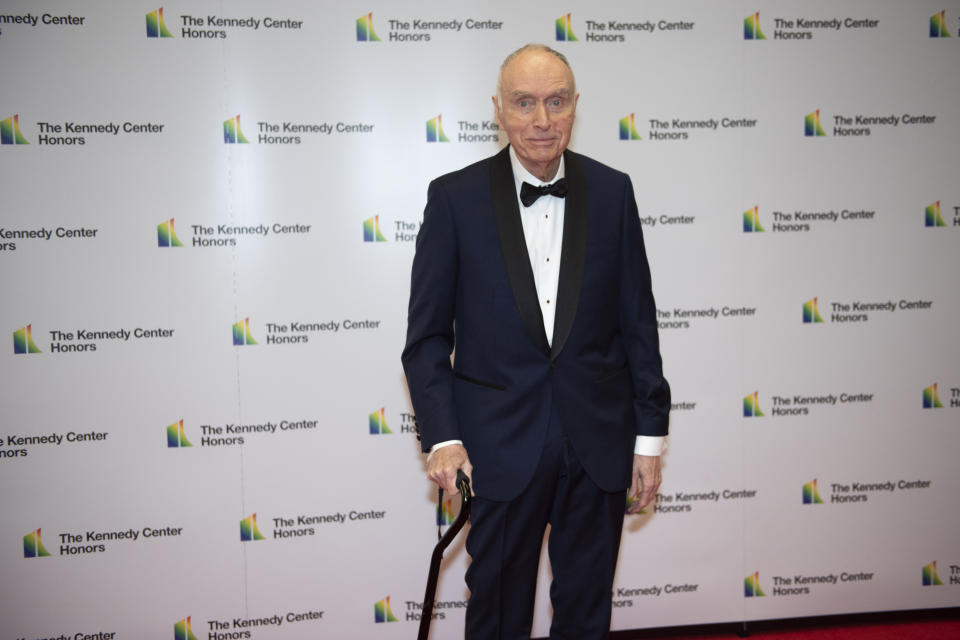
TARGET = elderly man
x,y
531,263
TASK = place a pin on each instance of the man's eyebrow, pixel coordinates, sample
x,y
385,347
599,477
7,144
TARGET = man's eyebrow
x,y
526,94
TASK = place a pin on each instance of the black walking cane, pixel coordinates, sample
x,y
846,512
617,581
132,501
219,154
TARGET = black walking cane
x,y
463,484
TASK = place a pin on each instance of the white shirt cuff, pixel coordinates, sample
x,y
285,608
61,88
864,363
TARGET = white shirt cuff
x,y
650,445
440,445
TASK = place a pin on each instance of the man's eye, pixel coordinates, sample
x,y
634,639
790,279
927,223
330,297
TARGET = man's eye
x,y
523,103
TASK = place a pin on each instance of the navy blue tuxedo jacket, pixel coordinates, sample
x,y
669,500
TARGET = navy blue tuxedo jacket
x,y
473,294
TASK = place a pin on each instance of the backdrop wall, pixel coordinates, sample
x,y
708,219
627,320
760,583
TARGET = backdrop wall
x,y
209,216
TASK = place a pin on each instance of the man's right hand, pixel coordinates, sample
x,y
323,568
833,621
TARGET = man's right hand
x,y
443,463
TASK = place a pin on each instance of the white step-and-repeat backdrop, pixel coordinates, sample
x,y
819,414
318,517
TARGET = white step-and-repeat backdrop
x,y
209,215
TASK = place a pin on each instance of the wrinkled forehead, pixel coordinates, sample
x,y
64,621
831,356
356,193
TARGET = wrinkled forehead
x,y
534,72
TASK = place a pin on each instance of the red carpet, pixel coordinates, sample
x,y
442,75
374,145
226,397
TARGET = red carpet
x,y
932,630
930,624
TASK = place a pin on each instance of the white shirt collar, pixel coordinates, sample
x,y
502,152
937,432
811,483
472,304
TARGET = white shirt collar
x,y
521,175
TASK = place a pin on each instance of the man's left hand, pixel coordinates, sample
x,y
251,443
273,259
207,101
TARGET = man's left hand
x,y
646,481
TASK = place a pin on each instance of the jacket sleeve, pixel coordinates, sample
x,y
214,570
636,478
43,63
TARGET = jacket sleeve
x,y
430,328
638,322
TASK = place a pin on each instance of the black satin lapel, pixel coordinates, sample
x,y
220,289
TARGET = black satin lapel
x,y
572,254
512,243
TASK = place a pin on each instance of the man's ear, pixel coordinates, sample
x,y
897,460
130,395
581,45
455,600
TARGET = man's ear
x,y
496,111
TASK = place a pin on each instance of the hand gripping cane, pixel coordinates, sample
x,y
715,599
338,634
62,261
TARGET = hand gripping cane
x,y
463,484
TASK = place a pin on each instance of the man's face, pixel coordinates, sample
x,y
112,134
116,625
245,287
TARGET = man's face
x,y
537,110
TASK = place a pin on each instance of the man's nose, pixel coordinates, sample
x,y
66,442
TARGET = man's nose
x,y
540,116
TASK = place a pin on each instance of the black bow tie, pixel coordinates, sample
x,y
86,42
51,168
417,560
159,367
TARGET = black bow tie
x,y
530,193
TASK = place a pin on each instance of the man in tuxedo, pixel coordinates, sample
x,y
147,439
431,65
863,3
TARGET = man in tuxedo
x,y
531,266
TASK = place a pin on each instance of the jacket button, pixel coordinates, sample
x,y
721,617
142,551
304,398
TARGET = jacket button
x,y
553,364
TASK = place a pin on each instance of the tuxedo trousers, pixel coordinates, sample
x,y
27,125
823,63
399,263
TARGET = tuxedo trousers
x,y
505,541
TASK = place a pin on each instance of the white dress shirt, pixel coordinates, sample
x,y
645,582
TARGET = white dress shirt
x,y
543,232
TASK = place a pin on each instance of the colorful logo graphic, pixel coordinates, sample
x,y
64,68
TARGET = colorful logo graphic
x,y
232,134
365,32
156,28
33,546
564,30
751,28
249,530
630,500
167,236
628,129
241,333
938,25
176,437
810,493
931,400
23,340
810,312
751,406
811,125
10,131
751,586
378,423
371,230
435,130
445,515
930,577
932,217
182,630
751,221
382,612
